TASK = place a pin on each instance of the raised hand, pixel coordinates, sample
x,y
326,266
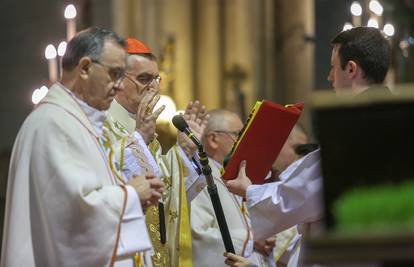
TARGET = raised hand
x,y
239,185
196,118
145,117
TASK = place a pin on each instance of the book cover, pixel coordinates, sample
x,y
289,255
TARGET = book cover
x,y
261,139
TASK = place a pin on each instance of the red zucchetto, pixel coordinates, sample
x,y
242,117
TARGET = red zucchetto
x,y
136,47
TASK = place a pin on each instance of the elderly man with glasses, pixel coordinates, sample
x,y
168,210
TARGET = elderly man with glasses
x,y
221,132
131,128
65,203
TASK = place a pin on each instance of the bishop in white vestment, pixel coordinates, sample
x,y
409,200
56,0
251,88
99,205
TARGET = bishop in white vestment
x,y
131,128
64,206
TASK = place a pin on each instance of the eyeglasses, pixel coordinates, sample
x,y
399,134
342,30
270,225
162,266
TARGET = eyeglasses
x,y
146,79
229,133
117,74
143,80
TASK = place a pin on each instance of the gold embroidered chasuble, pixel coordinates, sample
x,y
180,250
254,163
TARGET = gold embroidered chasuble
x,y
120,127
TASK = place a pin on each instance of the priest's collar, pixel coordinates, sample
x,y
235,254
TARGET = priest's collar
x,y
96,117
120,115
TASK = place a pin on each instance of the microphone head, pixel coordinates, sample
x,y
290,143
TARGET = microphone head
x,y
179,123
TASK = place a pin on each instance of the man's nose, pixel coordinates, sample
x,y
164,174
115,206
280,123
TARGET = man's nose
x,y
329,78
154,86
119,85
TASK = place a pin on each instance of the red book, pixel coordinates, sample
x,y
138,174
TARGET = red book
x,y
261,139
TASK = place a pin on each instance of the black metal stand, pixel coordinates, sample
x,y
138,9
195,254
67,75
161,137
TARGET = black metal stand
x,y
215,200
163,231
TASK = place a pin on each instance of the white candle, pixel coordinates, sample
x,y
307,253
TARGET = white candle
x,y
61,52
372,22
38,94
50,54
70,15
356,11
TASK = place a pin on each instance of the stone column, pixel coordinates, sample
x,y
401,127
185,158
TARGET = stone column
x,y
120,17
208,53
175,20
294,52
240,50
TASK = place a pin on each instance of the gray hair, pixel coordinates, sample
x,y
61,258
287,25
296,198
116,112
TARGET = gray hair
x,y
218,120
88,43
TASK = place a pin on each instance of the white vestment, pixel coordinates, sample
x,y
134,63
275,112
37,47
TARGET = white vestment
x,y
208,247
63,206
179,175
296,199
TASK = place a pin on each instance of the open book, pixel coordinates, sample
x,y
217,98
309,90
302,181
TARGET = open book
x,y
261,139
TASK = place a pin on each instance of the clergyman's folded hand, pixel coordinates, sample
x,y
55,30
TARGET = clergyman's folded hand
x,y
149,189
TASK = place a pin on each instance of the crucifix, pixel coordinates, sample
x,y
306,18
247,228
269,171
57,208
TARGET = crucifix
x,y
237,75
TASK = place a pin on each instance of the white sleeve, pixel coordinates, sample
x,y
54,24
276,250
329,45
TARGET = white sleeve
x,y
194,182
296,199
131,163
133,235
131,166
148,154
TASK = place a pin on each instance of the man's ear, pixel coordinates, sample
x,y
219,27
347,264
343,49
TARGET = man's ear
x,y
352,68
212,140
84,66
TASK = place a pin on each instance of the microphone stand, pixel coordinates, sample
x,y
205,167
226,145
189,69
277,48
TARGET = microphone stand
x,y
161,217
215,200
182,126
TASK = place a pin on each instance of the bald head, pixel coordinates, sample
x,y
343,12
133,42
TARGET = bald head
x,y
220,133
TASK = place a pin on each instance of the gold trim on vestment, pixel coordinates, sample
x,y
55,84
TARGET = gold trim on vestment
x,y
185,253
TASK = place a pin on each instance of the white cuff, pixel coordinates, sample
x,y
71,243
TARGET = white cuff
x,y
131,166
196,187
255,193
133,235
194,182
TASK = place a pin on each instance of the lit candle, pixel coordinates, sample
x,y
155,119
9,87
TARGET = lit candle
x,y
389,29
372,22
61,52
61,48
356,11
347,26
50,54
70,15
376,7
38,94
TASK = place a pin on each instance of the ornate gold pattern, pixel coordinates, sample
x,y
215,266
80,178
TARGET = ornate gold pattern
x,y
161,255
168,183
173,215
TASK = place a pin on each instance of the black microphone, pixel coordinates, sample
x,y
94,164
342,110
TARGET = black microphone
x,y
182,126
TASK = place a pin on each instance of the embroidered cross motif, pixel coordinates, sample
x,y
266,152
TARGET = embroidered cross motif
x,y
168,183
173,216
